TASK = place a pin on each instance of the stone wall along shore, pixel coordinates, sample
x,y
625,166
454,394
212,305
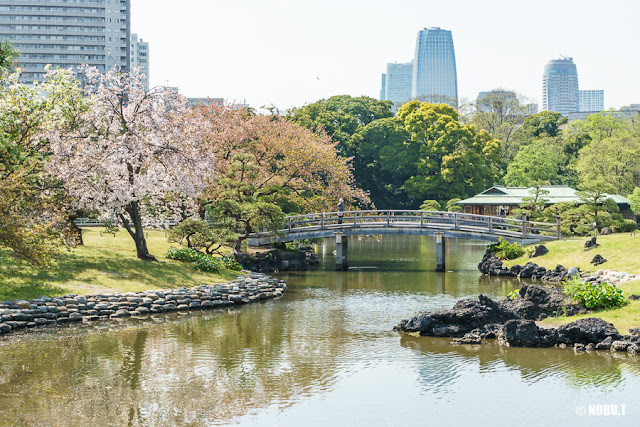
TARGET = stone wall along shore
x,y
44,311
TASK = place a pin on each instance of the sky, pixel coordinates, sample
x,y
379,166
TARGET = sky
x,y
289,53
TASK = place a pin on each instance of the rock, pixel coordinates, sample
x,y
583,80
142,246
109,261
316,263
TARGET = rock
x,y
119,314
589,330
578,348
633,349
634,297
620,345
605,344
465,316
590,347
591,243
573,271
536,302
635,331
23,304
75,317
598,259
469,338
4,328
606,231
539,250
142,310
519,333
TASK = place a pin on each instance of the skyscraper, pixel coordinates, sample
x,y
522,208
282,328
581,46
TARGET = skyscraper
x,y
67,33
560,92
591,100
140,56
383,88
435,77
398,82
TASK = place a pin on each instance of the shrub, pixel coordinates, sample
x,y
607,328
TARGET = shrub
x,y
594,295
513,294
624,226
200,261
230,263
505,250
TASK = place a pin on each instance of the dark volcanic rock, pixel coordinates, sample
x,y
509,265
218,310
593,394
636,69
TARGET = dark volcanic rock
x,y
525,333
465,316
539,250
537,302
635,331
491,265
598,259
470,338
590,330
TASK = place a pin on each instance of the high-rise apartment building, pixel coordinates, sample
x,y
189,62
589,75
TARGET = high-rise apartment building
x,y
435,77
383,87
67,33
560,91
591,100
398,82
140,56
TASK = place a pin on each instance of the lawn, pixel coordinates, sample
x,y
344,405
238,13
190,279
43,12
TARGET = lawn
x,y
105,263
622,252
623,318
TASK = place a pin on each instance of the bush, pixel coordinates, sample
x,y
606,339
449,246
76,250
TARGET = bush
x,y
624,226
230,263
594,295
505,250
513,294
200,261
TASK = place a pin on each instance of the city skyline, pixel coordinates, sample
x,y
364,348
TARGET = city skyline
x,y
289,53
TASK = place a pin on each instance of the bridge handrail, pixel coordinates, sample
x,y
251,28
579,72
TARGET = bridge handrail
x,y
458,221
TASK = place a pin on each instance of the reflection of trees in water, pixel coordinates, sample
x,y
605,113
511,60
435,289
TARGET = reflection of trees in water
x,y
599,370
203,369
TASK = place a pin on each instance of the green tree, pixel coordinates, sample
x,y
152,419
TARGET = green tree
x,y
545,123
535,164
8,55
614,160
634,200
452,205
454,159
385,160
595,196
430,205
501,112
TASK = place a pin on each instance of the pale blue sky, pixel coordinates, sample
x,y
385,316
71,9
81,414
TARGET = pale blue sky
x,y
292,52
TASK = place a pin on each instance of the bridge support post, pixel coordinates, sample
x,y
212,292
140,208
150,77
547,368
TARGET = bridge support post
x,y
440,251
342,248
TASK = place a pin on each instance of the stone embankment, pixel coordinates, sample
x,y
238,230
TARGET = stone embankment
x,y
44,311
512,323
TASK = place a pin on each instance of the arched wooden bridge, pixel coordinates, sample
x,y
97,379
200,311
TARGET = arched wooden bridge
x,y
407,223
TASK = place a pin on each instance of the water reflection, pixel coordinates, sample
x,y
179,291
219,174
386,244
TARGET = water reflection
x,y
323,354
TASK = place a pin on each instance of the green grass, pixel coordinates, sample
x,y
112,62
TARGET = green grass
x,y
622,252
103,264
623,318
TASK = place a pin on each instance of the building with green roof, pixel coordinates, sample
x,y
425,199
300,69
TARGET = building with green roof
x,y
500,200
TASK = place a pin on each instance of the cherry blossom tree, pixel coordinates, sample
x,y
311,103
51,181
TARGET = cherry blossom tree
x,y
134,154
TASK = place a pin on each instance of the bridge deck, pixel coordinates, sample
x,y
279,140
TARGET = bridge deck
x,y
457,225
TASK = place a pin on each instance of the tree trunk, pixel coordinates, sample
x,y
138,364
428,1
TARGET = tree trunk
x,y
133,209
77,231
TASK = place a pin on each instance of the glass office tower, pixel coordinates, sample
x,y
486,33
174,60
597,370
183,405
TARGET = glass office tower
x,y
560,91
435,78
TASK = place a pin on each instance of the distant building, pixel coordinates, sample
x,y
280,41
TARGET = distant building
x,y
591,100
560,91
398,82
140,56
216,101
67,33
623,113
435,77
500,201
531,109
383,88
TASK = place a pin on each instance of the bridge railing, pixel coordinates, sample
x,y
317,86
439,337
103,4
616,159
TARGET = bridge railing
x,y
510,227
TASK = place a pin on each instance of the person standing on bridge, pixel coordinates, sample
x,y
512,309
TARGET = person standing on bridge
x,y
340,210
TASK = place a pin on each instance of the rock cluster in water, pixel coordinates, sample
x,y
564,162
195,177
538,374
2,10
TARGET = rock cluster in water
x,y
275,260
512,323
45,311
491,265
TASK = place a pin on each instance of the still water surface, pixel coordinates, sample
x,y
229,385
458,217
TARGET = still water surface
x,y
324,354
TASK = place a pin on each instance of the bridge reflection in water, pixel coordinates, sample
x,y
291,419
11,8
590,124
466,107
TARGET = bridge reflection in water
x,y
441,225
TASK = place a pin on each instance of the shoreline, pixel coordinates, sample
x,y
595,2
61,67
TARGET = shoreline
x,y
33,314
